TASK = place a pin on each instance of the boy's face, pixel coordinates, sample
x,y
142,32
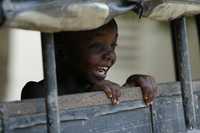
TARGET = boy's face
x,y
97,54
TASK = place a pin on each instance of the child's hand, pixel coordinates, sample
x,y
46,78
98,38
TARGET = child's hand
x,y
146,83
112,90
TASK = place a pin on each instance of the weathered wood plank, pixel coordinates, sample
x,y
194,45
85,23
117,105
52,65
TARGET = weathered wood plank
x,y
69,101
93,112
1,124
89,99
193,131
96,119
184,73
49,69
170,9
197,97
68,15
169,115
196,87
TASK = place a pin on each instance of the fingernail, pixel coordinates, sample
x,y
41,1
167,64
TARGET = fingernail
x,y
117,102
146,97
110,96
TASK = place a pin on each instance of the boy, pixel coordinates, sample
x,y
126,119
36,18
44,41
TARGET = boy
x,y
83,59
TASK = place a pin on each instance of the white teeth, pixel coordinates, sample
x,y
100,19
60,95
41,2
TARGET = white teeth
x,y
103,68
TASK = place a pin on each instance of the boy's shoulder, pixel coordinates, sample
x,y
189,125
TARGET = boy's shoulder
x,y
33,89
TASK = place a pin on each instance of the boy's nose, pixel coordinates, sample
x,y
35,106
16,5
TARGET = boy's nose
x,y
109,56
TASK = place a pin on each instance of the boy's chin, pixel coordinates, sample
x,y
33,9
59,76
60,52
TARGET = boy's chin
x,y
95,79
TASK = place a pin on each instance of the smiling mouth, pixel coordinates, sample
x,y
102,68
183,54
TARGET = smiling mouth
x,y
101,71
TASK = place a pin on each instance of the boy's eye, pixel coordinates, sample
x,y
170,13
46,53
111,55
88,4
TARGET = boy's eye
x,y
97,47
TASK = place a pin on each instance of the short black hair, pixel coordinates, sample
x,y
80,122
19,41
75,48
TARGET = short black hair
x,y
64,37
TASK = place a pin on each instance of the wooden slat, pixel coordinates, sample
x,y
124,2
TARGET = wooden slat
x,y
49,68
170,9
93,112
197,97
94,119
89,99
82,100
184,73
1,124
169,115
71,15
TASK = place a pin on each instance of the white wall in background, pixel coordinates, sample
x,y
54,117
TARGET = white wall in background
x,y
24,61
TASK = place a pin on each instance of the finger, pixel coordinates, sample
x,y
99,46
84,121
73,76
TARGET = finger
x,y
145,93
148,97
118,94
108,92
150,100
114,100
114,97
